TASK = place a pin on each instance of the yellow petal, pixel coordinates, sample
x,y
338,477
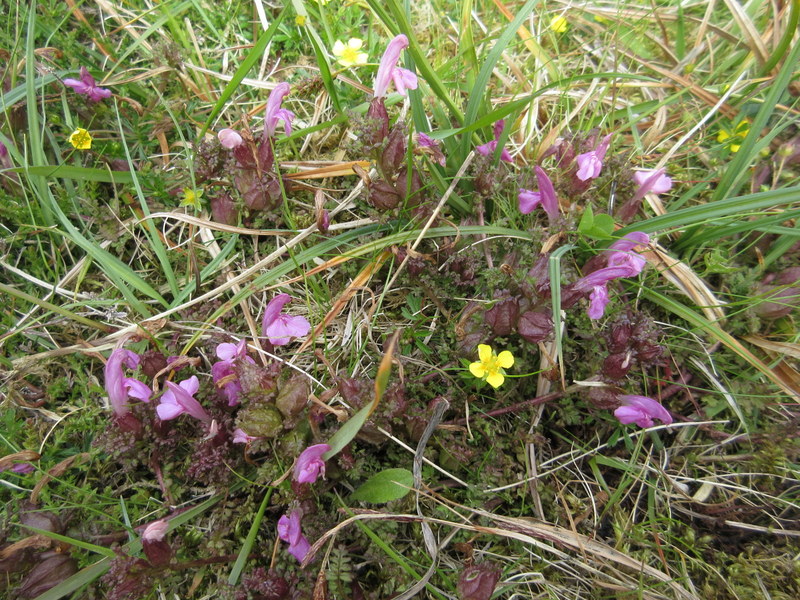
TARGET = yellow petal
x,y
477,369
495,379
484,353
505,359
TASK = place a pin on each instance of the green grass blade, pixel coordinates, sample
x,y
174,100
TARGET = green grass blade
x,y
77,173
248,63
554,266
241,560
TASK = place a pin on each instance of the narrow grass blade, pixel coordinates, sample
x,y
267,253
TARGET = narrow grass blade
x,y
55,308
324,68
77,173
554,265
241,560
107,552
248,63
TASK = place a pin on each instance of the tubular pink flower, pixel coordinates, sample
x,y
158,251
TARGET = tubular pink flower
x,y
119,387
389,71
280,328
653,181
240,437
310,465
549,198
591,163
641,410
179,399
630,241
488,149
224,369
598,300
528,200
275,113
230,138
289,531
155,531
87,86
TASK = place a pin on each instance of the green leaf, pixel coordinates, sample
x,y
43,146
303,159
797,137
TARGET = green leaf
x,y
78,173
388,485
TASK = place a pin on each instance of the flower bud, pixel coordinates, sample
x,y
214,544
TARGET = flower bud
x,y
261,421
604,398
151,362
478,582
157,550
535,326
377,123
394,153
619,337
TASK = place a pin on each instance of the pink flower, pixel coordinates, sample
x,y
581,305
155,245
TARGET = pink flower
x,y
598,300
652,181
155,531
310,465
641,410
275,113
528,200
240,437
87,86
489,148
179,399
591,163
230,138
119,387
224,369
280,328
431,147
289,531
388,70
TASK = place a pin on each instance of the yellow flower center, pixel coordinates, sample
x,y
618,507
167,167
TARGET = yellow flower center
x,y
350,54
559,24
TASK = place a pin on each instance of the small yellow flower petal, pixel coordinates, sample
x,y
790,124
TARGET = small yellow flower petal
x,y
484,353
477,369
559,24
505,359
349,55
300,20
495,380
80,139
191,198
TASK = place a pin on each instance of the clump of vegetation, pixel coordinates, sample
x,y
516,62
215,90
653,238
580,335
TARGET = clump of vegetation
x,y
300,308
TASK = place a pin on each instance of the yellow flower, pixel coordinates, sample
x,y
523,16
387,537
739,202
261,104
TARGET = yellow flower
x,y
559,24
191,198
300,20
733,139
349,55
491,365
80,139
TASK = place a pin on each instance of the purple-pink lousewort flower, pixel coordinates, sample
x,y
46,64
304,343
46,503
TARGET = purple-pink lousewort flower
x,y
155,531
119,387
309,465
591,163
280,328
240,437
431,147
179,399
230,138
87,86
641,410
598,300
22,468
156,548
289,531
388,70
224,369
488,149
653,181
275,113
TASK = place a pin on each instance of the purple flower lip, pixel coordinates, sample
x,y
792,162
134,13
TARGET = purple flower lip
x,y
119,387
87,86
179,399
591,163
310,465
280,328
488,149
289,531
275,113
641,410
388,71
